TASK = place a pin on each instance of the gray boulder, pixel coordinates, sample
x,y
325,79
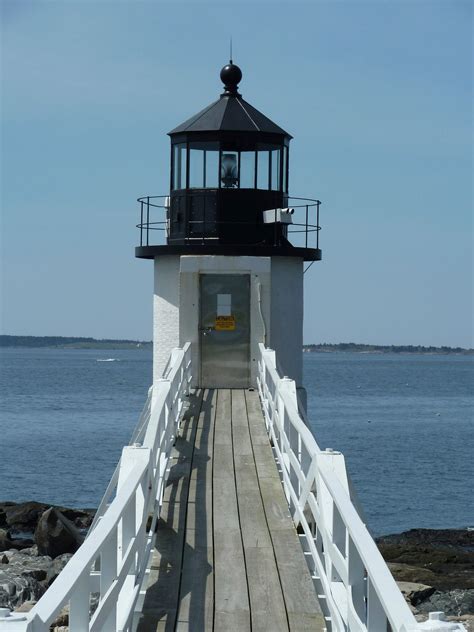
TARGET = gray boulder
x,y
25,577
452,602
56,535
22,578
414,593
7,542
16,589
23,517
57,566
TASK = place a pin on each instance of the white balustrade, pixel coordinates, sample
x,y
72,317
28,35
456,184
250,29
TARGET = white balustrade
x,y
356,590
103,582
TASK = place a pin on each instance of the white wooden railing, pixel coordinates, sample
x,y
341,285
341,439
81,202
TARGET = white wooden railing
x,y
103,582
356,590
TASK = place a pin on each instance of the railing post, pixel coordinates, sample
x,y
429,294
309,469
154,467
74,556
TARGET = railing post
x,y
376,617
79,605
318,203
306,231
204,227
133,523
108,574
148,220
357,584
287,388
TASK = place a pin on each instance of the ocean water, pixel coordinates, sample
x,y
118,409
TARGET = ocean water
x,y
404,423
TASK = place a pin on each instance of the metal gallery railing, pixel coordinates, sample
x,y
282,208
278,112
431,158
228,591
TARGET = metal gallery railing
x,y
154,224
356,590
103,583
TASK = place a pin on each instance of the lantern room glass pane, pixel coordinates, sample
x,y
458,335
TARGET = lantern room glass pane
x,y
285,169
203,165
212,169
196,168
179,166
263,165
247,169
275,170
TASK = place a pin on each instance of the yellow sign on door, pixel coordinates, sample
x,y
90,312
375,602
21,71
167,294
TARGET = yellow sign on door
x,y
225,323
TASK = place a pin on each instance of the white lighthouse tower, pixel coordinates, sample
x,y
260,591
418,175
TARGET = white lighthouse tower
x,y
229,274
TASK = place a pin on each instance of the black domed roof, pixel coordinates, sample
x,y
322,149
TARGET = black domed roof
x,y
230,113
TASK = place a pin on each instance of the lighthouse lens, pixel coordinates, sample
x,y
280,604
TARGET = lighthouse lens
x,y
229,171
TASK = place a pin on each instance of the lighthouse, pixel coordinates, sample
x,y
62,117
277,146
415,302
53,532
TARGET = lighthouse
x,y
229,245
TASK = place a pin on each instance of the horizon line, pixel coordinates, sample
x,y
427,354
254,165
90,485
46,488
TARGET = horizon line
x,y
305,344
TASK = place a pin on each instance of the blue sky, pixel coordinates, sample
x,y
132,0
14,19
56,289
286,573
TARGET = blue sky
x,y
376,94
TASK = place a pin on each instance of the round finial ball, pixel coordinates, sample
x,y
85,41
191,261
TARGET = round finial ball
x,y
231,75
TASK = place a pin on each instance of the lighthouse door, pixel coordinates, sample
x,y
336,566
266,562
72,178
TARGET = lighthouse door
x,y
225,330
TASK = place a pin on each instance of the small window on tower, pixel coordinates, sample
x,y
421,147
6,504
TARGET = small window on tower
x,y
224,304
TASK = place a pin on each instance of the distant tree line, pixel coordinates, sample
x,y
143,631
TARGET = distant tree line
x,y
107,343
352,346
66,341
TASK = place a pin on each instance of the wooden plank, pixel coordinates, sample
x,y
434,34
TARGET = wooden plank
x,y
231,604
301,604
223,427
196,597
258,431
304,612
266,599
161,599
196,608
199,505
276,508
240,427
253,522
239,408
265,462
254,528
235,621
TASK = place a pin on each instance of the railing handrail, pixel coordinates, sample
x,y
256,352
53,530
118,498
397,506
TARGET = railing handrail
x,y
203,229
360,593
80,562
114,558
147,198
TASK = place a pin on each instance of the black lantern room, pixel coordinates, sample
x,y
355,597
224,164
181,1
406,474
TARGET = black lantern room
x,y
229,164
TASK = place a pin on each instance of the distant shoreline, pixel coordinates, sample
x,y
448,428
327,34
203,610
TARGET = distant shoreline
x,y
352,347
72,342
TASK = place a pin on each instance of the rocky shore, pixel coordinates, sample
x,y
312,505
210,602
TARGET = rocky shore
x,y
434,568
36,542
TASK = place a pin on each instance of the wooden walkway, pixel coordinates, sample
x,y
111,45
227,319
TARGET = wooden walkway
x,y
227,553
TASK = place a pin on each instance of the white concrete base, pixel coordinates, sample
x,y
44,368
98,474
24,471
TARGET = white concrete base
x,y
276,308
165,312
